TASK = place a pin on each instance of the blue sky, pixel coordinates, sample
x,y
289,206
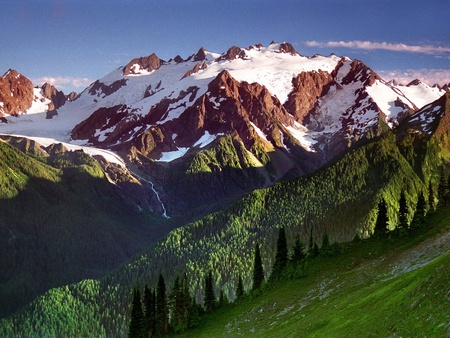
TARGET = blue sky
x,y
74,42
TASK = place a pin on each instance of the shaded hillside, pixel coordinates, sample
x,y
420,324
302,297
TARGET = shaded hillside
x,y
61,223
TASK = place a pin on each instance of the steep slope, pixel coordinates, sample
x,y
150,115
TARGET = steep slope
x,y
60,221
371,288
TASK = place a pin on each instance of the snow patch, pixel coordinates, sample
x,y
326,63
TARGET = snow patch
x,y
301,134
259,132
169,156
206,139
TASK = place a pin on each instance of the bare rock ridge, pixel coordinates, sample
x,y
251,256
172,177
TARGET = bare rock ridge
x,y
148,64
16,93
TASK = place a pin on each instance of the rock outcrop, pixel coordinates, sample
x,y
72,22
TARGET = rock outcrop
x,y
16,93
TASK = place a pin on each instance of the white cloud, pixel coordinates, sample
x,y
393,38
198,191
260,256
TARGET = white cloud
x,y
369,45
61,82
428,76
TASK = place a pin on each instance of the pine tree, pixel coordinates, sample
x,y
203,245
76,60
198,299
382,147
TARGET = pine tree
x,y
325,248
430,198
442,188
136,328
403,213
149,314
240,288
178,312
281,256
381,224
419,215
298,251
210,297
223,299
162,311
258,274
313,249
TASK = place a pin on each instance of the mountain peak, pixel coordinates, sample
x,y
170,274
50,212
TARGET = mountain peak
x,y
415,82
143,65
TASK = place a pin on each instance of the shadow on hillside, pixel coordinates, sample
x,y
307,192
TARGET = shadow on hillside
x,y
53,234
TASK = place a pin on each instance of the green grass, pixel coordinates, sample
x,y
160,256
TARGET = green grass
x,y
358,293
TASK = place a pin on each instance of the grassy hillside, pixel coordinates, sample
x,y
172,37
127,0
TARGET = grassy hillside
x,y
60,222
375,288
338,201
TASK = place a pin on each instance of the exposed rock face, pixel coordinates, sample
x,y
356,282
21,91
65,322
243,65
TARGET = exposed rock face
x,y
107,122
198,66
16,93
230,106
148,64
199,56
308,87
72,96
98,88
56,97
286,47
233,53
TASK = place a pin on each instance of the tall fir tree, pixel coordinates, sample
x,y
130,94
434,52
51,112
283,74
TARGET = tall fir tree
x,y
298,253
210,297
258,273
150,310
178,319
431,197
325,248
442,188
162,310
281,256
239,288
381,224
419,215
403,213
136,328
313,249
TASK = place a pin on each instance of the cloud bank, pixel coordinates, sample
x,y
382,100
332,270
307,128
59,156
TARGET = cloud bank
x,y
369,45
61,82
428,76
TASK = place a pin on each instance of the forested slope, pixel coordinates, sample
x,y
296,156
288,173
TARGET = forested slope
x,y
339,201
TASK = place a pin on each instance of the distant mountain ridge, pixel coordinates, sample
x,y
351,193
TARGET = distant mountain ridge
x,y
279,113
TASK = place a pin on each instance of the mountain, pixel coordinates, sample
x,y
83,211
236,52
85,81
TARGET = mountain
x,y
339,201
262,136
208,129
18,96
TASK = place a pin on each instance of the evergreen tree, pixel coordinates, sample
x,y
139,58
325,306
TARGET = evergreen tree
x,y
162,311
313,249
381,224
223,299
195,312
240,288
258,274
298,251
149,314
179,321
210,297
403,213
442,188
325,248
136,328
419,215
430,197
281,256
